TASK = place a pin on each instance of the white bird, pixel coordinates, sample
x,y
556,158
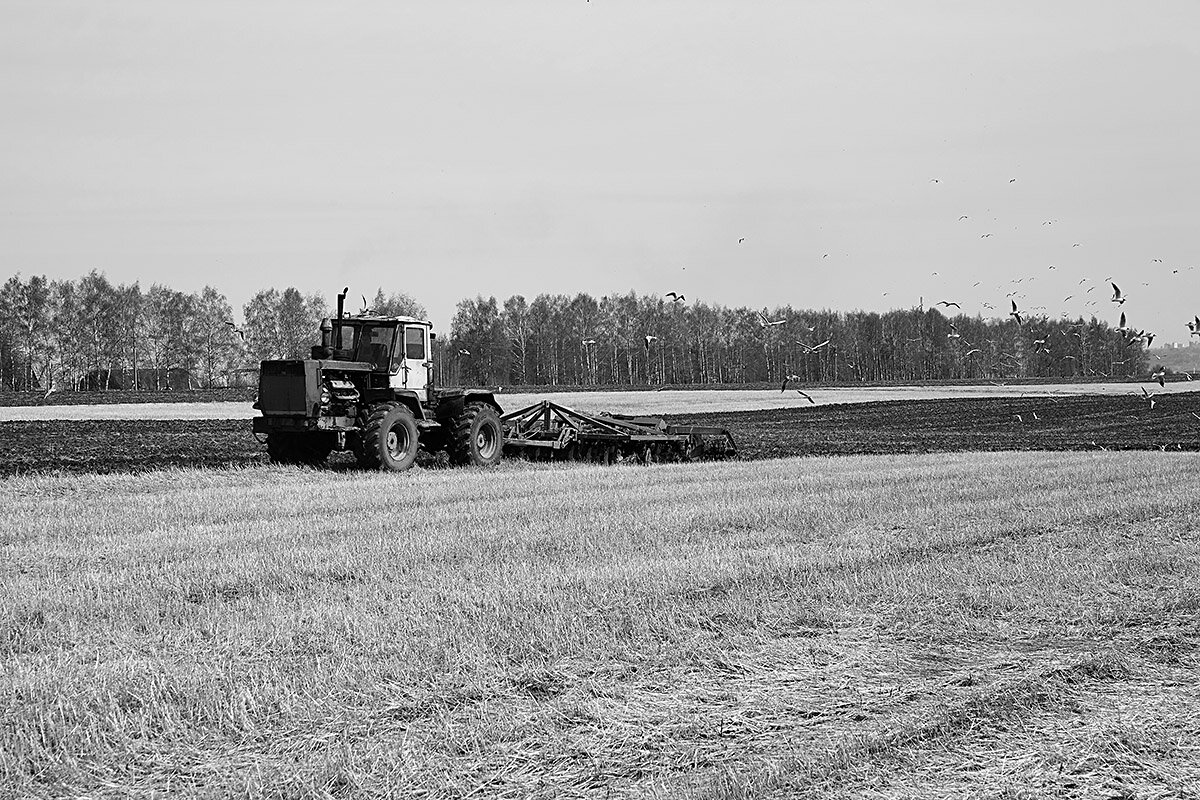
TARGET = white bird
x,y
1117,297
814,348
766,323
650,338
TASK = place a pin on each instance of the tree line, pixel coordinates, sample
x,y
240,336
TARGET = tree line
x,y
91,334
627,339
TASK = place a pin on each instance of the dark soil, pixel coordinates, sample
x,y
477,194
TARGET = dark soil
x,y
906,426
120,397
1087,422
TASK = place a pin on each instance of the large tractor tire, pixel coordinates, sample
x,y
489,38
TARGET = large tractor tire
x,y
281,448
476,436
389,439
308,449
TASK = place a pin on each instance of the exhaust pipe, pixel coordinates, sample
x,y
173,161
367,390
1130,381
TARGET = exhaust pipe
x,y
337,337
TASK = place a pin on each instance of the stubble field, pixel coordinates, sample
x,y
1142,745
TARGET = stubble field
x,y
987,624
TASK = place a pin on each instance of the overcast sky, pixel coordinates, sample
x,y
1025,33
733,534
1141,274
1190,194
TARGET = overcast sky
x,y
457,148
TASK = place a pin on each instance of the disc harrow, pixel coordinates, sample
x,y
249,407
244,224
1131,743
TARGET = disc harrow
x,y
547,431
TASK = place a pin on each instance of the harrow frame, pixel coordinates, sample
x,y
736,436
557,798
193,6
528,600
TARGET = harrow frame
x,y
549,431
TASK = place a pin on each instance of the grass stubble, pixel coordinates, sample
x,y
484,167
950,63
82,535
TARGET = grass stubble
x,y
995,624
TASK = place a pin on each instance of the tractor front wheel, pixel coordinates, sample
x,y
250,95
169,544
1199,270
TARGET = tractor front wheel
x,y
476,436
309,449
389,439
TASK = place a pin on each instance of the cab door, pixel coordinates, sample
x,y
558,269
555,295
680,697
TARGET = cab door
x,y
416,360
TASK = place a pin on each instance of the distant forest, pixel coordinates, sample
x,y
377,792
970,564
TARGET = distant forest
x,y
90,334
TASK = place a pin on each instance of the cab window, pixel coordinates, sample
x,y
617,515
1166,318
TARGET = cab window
x,y
374,345
414,343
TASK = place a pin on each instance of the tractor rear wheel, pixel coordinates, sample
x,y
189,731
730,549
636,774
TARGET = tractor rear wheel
x,y
476,436
389,439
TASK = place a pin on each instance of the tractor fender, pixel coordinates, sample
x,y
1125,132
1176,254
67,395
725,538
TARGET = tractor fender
x,y
451,403
406,397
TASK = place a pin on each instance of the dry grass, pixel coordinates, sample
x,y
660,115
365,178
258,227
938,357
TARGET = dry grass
x,y
681,401
978,624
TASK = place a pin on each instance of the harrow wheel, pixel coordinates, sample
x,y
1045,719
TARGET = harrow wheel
x,y
389,439
476,436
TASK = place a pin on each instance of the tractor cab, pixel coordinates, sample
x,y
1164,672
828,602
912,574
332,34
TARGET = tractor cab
x,y
398,346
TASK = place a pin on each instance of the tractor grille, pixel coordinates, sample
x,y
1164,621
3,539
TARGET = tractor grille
x,y
281,388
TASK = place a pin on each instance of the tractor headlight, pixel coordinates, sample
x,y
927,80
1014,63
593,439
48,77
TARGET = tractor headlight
x,y
326,397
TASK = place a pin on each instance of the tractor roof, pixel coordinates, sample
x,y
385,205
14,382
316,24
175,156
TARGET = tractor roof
x,y
378,318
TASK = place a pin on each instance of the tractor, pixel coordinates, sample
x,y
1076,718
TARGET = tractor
x,y
370,388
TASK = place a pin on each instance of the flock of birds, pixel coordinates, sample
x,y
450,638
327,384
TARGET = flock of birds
x,y
1043,345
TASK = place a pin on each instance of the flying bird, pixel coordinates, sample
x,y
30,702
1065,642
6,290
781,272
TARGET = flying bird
x,y
972,351
650,338
1014,313
1149,396
947,303
814,348
986,235
676,298
741,240
464,352
236,329
766,323
1117,297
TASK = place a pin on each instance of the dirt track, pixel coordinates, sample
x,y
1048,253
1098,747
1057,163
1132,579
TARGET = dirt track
x,y
918,426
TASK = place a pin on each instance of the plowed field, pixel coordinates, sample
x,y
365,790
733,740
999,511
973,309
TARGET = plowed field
x,y
1125,422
